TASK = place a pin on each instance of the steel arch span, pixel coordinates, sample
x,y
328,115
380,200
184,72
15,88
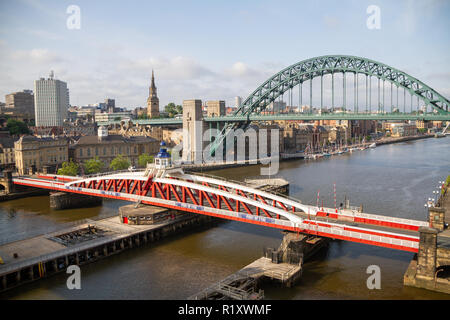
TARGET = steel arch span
x,y
308,69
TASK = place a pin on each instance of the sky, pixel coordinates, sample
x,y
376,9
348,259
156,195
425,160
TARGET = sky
x,y
210,49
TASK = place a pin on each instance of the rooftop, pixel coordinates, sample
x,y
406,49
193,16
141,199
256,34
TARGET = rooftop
x,y
114,138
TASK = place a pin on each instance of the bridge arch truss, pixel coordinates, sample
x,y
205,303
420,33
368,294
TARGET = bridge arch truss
x,y
308,69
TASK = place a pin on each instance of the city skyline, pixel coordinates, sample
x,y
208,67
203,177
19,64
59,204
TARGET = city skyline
x,y
198,53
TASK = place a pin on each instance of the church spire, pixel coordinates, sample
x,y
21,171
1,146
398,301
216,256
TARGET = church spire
x,y
153,101
152,86
153,80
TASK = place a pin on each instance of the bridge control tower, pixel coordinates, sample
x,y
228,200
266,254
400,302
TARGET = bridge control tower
x,y
163,159
162,165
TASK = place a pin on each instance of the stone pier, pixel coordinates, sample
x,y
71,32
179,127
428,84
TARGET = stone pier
x,y
63,200
430,267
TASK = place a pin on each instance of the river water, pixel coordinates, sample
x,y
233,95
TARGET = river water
x,y
393,180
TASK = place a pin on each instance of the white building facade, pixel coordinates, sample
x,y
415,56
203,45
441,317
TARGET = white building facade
x,y
51,101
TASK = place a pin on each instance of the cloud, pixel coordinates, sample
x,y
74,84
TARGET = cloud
x,y
30,57
168,69
240,69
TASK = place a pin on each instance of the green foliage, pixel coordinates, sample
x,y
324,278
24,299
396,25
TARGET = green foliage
x,y
172,109
368,138
422,130
119,163
144,159
143,116
447,182
93,166
16,127
69,169
117,118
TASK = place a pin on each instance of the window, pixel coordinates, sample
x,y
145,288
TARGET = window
x,y
81,152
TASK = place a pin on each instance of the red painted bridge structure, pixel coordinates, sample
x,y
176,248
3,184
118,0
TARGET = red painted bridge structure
x,y
238,201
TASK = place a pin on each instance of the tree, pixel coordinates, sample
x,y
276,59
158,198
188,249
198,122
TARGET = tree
x,y
143,116
119,163
172,109
69,169
93,166
16,127
144,159
422,130
368,138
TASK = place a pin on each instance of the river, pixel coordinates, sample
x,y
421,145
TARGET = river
x,y
393,180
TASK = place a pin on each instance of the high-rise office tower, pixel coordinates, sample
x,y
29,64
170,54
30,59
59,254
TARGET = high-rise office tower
x,y
51,101
110,105
237,101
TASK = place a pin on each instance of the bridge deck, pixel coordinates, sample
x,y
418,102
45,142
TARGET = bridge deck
x,y
239,201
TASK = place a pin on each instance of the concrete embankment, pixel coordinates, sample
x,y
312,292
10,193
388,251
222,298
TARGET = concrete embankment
x,y
402,139
40,257
23,194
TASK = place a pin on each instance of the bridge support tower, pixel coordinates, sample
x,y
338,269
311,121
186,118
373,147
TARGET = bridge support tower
x,y
426,257
8,181
193,128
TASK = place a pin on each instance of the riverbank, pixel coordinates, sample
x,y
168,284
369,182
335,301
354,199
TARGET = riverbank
x,y
389,140
23,194
288,157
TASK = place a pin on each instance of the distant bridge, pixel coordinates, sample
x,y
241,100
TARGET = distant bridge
x,y
294,116
240,202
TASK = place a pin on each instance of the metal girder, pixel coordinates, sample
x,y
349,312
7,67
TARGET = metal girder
x,y
304,70
308,69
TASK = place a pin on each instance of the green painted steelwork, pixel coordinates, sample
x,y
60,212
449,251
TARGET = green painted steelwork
x,y
298,116
305,70
334,116
308,69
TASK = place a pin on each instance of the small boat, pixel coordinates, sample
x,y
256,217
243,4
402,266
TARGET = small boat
x,y
326,154
373,145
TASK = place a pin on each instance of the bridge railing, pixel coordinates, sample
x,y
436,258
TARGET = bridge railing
x,y
100,174
246,184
